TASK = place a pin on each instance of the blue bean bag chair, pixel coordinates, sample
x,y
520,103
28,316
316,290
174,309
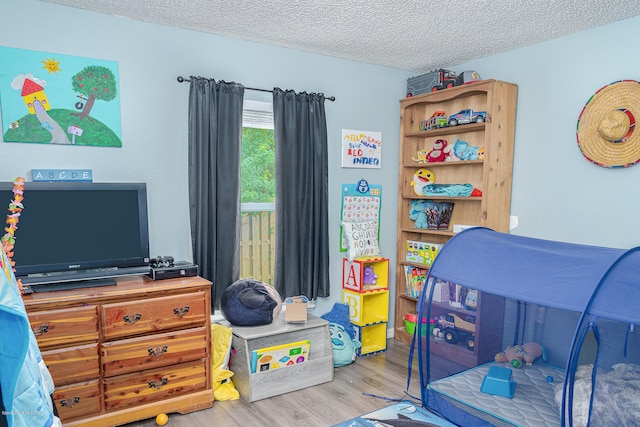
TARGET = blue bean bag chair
x,y
250,302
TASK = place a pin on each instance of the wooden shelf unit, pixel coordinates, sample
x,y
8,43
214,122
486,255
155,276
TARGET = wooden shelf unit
x,y
123,353
492,175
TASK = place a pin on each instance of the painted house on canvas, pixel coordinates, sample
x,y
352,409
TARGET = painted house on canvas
x,y
34,96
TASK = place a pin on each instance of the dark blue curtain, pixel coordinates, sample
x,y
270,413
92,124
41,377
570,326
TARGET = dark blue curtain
x,y
302,236
215,138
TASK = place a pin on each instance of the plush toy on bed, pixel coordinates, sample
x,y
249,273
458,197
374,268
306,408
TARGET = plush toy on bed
x,y
343,342
527,353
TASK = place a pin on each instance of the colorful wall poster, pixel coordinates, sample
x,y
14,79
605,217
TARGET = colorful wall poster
x,y
279,356
361,149
49,98
360,202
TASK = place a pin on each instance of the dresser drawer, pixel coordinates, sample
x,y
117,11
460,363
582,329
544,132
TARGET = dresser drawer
x,y
136,354
65,326
78,400
153,314
152,385
73,364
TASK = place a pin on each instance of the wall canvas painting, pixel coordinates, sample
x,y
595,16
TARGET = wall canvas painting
x,y
49,98
361,149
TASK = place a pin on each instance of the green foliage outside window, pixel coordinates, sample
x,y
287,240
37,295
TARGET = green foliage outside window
x,y
258,173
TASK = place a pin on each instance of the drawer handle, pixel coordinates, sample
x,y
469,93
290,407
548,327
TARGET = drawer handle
x,y
158,385
157,352
70,403
132,319
181,311
41,330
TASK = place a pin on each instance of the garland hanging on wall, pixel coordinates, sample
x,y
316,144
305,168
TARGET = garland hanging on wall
x,y
15,207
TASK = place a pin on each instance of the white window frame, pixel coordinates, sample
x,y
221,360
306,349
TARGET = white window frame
x,y
259,115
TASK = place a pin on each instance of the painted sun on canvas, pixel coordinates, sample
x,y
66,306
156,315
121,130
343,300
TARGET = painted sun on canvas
x,y
48,98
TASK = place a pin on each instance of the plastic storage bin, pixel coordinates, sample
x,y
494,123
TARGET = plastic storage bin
x,y
410,321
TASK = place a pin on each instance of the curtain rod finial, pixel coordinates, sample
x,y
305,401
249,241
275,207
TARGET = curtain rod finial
x,y
180,79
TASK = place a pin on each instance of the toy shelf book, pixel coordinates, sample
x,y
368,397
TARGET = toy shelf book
x,y
279,356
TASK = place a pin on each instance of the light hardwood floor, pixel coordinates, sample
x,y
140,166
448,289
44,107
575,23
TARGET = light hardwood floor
x,y
383,374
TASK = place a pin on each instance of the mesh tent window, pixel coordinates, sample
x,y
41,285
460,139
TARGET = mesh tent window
x,y
601,286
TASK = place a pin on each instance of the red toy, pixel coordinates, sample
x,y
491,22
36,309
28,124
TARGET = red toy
x,y
438,153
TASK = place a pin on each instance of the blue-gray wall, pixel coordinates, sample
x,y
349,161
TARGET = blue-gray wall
x,y
557,194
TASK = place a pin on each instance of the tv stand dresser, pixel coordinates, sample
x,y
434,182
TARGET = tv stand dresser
x,y
127,352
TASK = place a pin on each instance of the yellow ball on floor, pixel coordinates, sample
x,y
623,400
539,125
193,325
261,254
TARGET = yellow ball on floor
x,y
162,419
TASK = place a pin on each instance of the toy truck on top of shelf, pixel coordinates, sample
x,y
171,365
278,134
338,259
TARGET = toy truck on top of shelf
x,y
431,82
466,116
456,329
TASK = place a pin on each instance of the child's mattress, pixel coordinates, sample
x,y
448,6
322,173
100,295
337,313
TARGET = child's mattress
x,y
532,405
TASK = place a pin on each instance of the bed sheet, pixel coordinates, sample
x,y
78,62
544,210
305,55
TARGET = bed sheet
x,y
532,405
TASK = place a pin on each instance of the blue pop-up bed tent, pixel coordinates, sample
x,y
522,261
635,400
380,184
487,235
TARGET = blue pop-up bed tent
x,y
580,302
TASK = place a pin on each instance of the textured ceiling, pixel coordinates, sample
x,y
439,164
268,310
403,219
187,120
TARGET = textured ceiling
x,y
411,35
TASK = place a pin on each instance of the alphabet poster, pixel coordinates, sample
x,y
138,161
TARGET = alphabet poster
x,y
360,202
361,149
49,98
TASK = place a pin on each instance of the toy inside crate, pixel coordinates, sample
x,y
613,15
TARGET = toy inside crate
x,y
365,274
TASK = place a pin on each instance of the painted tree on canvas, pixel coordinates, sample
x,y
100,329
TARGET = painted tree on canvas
x,y
94,82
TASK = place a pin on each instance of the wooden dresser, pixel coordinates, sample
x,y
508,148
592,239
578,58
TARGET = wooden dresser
x,y
127,352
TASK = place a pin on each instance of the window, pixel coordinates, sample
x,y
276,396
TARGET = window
x,y
257,192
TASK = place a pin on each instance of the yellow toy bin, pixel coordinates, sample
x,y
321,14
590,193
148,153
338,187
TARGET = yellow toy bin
x,y
367,308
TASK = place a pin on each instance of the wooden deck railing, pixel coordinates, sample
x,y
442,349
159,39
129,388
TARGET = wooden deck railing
x,y
257,244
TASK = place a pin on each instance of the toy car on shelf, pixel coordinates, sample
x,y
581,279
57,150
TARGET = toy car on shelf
x,y
466,116
437,120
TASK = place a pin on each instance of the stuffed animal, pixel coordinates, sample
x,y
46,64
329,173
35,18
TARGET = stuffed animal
x,y
418,213
422,156
437,154
527,353
369,276
450,156
421,178
471,300
343,341
464,151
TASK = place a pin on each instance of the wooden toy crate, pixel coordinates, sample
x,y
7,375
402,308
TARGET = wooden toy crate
x,y
353,274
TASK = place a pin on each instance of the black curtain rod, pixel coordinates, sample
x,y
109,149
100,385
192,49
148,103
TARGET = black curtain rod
x,y
182,80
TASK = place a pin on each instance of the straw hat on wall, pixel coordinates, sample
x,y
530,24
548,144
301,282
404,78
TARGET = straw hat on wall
x,y
606,126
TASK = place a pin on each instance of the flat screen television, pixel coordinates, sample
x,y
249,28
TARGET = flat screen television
x,y
73,235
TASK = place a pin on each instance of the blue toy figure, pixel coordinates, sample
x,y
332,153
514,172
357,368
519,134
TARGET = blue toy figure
x,y
343,342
